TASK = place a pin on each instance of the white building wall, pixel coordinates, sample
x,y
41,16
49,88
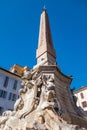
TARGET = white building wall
x,y
6,103
82,100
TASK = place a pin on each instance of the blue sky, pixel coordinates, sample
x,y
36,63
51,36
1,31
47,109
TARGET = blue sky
x,y
19,28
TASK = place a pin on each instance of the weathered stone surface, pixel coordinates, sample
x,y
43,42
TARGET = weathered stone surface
x,y
38,108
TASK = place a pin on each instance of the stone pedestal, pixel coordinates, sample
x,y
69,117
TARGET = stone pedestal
x,y
45,103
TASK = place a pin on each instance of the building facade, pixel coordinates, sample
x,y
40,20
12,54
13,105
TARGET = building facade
x,y
10,83
18,70
81,95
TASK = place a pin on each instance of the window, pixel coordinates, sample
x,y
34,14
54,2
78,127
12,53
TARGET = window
x,y
82,96
12,97
1,110
6,81
84,104
3,94
15,85
1,91
15,71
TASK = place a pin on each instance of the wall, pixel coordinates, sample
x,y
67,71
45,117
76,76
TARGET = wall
x,y
8,98
82,99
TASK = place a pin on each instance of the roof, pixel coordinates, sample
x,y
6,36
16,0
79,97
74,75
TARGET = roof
x,y
10,73
18,70
81,89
